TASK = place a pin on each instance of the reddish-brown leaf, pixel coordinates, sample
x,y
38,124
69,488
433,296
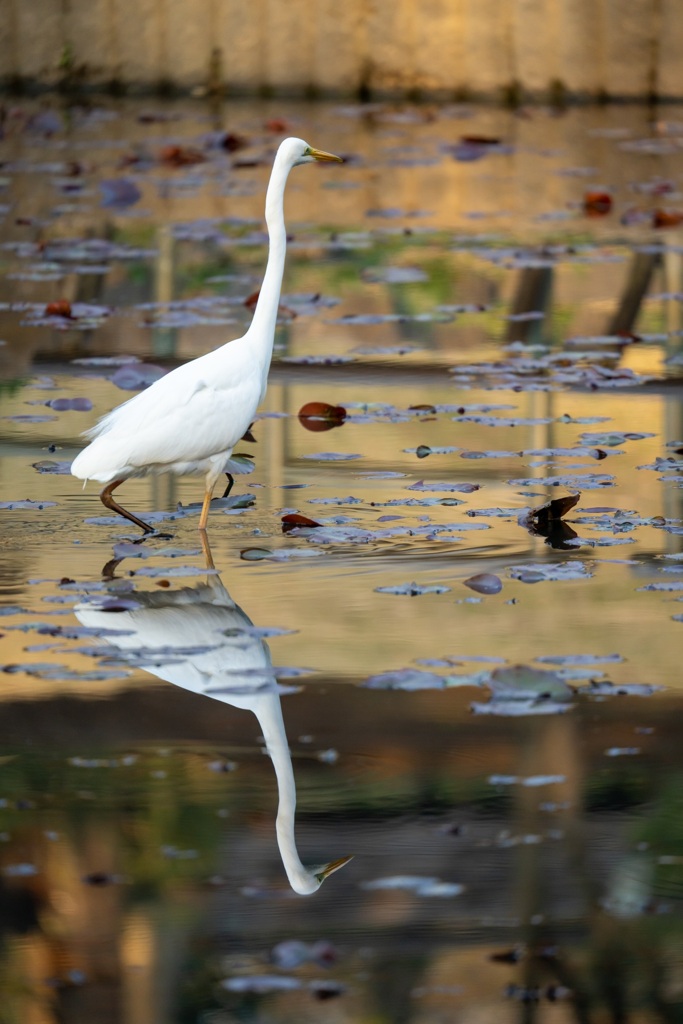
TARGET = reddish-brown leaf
x,y
666,218
293,519
180,156
597,204
480,140
62,307
319,416
278,125
231,142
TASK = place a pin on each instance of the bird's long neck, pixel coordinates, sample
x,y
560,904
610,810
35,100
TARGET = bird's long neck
x,y
262,330
269,713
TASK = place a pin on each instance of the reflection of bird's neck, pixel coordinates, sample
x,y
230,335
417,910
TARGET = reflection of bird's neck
x,y
262,329
269,714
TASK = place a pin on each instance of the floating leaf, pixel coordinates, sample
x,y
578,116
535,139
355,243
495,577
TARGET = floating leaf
x,y
405,679
333,456
420,885
666,218
520,708
119,193
484,583
530,781
319,416
544,515
442,485
136,376
537,572
394,275
293,520
597,204
604,688
180,156
48,466
412,589
27,504
520,682
579,481
262,984
64,404
662,587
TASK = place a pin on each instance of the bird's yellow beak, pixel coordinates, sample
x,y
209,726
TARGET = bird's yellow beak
x,y
320,154
334,865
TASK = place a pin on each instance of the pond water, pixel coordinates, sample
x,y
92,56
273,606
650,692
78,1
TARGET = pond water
x,y
476,699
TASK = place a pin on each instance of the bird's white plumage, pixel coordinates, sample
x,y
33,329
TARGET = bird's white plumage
x,y
186,422
190,420
199,639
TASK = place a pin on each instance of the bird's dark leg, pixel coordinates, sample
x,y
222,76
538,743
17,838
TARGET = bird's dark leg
x,y
111,503
231,481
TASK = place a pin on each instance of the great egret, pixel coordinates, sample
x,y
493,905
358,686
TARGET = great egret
x,y
211,649
190,420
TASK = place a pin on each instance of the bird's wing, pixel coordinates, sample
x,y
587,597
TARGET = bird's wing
x,y
181,422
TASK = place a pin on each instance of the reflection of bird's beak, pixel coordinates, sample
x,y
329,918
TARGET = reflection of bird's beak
x,y
320,154
329,869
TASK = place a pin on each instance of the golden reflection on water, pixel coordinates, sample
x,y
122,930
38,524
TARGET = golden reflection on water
x,y
137,874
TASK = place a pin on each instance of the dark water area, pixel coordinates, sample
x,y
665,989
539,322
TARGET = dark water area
x,y
472,692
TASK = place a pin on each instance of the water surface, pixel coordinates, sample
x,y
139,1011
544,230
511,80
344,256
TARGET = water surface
x,y
499,334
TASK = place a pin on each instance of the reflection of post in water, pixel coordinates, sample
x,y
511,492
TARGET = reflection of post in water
x,y
164,339
213,650
641,269
532,295
550,749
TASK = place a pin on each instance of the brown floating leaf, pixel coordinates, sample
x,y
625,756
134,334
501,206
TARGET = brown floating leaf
x,y
62,307
180,156
597,204
422,408
231,142
666,218
546,521
554,509
319,416
480,140
293,519
278,125
484,583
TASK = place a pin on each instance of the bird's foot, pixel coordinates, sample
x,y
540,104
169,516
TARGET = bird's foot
x,y
152,535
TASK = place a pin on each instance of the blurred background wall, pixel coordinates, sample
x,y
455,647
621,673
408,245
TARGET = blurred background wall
x,y
446,49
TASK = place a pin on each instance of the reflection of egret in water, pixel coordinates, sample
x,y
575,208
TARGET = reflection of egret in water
x,y
213,649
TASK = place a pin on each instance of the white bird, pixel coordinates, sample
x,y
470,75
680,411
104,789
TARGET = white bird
x,y
190,420
209,647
